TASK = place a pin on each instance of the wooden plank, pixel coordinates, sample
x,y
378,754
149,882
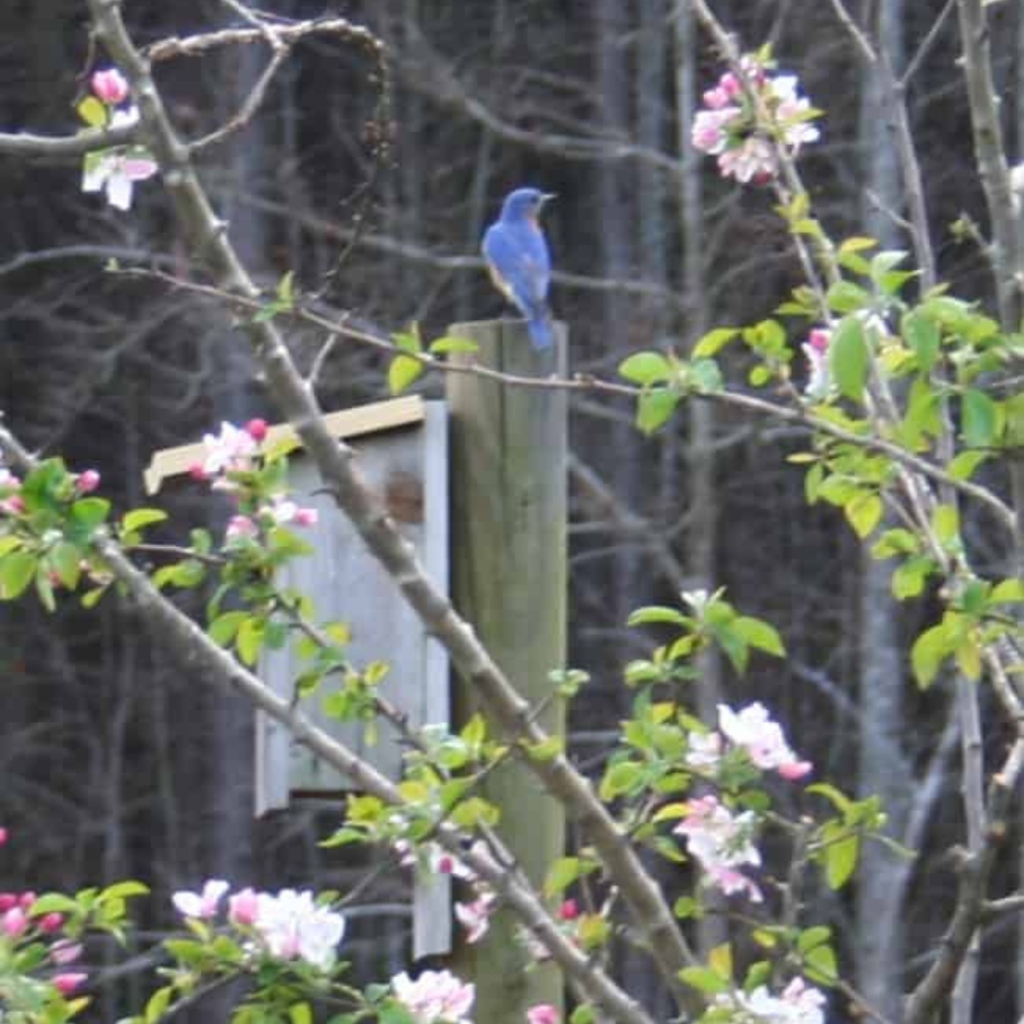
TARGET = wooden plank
x,y
509,576
347,423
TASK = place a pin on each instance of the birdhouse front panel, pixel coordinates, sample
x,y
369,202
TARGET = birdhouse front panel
x,y
408,468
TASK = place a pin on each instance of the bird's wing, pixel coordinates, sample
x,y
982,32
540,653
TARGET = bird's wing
x,y
519,263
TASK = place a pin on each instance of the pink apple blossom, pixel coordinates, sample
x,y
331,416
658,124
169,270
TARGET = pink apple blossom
x,y
709,129
3,831
569,910
475,917
8,479
115,170
816,351
13,506
753,160
14,922
306,517
293,926
203,904
26,899
68,983
754,731
65,951
256,429
434,996
789,111
542,1013
721,843
50,923
231,449
241,526
798,1004
704,751
244,908
87,481
7,900
110,86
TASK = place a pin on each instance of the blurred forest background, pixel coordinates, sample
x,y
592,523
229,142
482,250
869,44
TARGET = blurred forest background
x,y
113,765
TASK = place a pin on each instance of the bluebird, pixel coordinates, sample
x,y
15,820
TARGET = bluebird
x,y
520,264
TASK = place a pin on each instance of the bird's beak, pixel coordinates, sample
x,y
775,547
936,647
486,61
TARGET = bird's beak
x,y
546,197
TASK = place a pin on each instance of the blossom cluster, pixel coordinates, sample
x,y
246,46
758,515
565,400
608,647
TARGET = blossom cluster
x,y
752,730
234,451
815,348
287,926
474,915
114,170
799,1003
747,116
721,842
19,925
434,996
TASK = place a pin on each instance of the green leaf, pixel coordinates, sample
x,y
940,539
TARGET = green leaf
x,y
909,579
1007,592
848,358
841,860
16,572
286,290
839,800
712,342
820,965
864,513
450,343
140,517
980,417
946,524
645,368
704,979
224,628
583,1014
657,613
300,1013
124,890
759,634
249,639
402,372
158,1003
89,513
562,873
654,409
895,542
930,649
845,297
409,341
686,907
923,336
94,113
66,560
620,778
705,377
963,466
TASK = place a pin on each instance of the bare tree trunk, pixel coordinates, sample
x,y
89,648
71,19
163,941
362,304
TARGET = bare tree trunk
x,y
702,508
882,768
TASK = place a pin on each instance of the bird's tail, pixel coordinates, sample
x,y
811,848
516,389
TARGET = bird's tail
x,y
541,333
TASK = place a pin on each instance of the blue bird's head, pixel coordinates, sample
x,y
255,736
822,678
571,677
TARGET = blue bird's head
x,y
524,203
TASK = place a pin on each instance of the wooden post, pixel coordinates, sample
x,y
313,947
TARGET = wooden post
x,y
509,576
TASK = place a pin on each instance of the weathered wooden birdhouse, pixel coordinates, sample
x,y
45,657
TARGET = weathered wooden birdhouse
x,y
403,452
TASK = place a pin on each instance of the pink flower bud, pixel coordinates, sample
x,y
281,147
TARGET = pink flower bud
x,y
50,923
7,900
64,951
65,984
306,517
795,769
14,505
26,899
110,86
256,429
14,922
87,481
197,472
243,908
819,338
542,1013
3,835
569,910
